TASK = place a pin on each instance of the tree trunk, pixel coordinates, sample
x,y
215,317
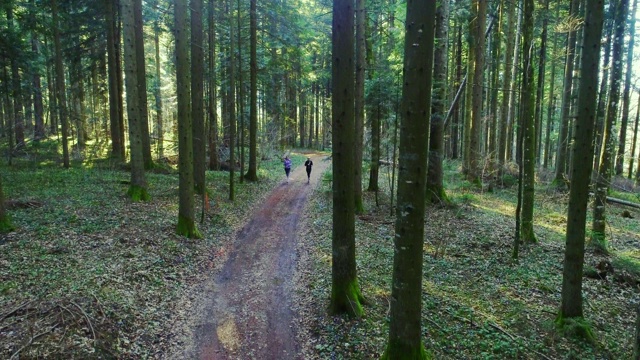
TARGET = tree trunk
x,y
61,91
197,98
540,86
38,133
602,94
214,161
138,188
561,158
604,172
475,151
405,335
240,97
507,84
625,94
571,306
633,143
359,103
115,106
232,110
551,104
435,184
142,86
345,291
252,173
186,214
5,221
158,94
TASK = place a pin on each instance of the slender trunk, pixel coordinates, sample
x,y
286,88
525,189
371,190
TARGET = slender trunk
x,y
633,143
507,84
197,98
61,91
186,214
435,179
158,95
540,86
529,126
565,115
232,110
115,106
625,94
138,188
252,173
602,94
38,106
606,157
550,106
359,103
214,161
571,301
142,85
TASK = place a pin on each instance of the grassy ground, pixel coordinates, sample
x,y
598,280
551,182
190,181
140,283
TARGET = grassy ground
x,y
477,302
88,273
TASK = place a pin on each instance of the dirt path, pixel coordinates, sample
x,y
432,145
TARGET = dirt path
x,y
248,312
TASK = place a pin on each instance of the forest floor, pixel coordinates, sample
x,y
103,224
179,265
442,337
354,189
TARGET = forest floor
x,y
89,274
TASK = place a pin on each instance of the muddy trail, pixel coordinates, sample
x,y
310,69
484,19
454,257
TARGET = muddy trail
x,y
247,311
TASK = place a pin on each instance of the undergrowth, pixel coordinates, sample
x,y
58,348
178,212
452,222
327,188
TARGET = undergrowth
x,y
88,273
477,303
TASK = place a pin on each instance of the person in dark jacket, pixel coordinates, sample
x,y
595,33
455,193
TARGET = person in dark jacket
x,y
308,164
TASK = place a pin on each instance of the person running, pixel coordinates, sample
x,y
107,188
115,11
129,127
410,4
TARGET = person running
x,y
287,166
308,164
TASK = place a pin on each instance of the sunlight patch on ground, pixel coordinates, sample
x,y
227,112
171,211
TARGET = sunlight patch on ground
x,y
228,334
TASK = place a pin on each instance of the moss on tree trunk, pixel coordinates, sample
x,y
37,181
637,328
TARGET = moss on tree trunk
x,y
187,227
346,299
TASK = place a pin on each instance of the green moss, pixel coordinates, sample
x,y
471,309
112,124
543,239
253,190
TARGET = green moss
x,y
6,226
437,196
187,227
598,243
138,193
402,351
577,327
347,299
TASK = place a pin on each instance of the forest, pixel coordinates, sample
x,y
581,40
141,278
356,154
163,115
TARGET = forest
x,y
475,191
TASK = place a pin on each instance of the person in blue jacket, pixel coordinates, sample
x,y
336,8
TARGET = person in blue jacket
x,y
287,166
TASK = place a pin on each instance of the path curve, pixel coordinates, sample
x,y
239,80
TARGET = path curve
x,y
248,312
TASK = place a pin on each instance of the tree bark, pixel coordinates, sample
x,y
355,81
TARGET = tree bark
x,y
435,183
571,302
528,122
252,173
186,214
157,91
540,87
345,291
506,84
561,158
405,335
359,103
138,188
197,98
604,171
231,91
625,93
61,90
214,161
142,86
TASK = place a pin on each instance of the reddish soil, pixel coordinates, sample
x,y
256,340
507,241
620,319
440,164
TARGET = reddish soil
x,y
247,313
